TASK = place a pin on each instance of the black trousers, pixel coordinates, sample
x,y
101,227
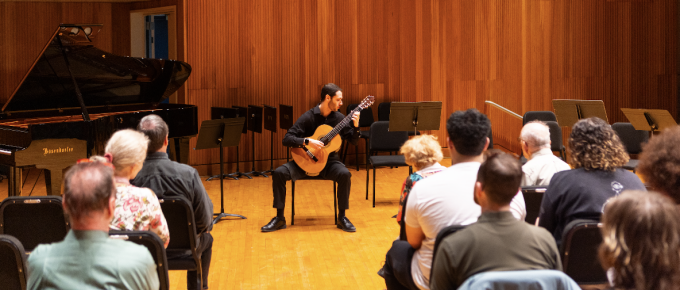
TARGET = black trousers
x,y
334,170
204,248
397,268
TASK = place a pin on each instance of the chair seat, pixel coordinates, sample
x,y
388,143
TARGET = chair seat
x,y
388,160
181,264
631,165
365,134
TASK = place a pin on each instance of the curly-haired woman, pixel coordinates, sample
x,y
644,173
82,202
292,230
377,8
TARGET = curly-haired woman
x,y
597,155
660,163
641,241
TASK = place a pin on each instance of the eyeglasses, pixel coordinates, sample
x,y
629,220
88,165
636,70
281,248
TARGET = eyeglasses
x,y
87,160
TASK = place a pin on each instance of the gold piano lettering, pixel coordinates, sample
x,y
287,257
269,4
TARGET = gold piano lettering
x,y
57,150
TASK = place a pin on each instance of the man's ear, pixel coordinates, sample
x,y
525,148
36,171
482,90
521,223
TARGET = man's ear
x,y
328,98
478,193
486,146
166,142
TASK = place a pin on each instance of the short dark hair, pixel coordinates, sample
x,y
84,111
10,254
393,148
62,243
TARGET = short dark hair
x,y
468,131
595,145
156,129
500,175
660,163
641,241
329,89
88,188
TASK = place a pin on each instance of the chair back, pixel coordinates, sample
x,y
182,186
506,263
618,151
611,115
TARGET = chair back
x,y
443,233
555,136
580,242
154,244
384,140
631,138
33,220
384,111
520,280
538,115
180,218
366,117
12,263
533,196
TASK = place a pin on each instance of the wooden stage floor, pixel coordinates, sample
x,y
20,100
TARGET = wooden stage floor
x,y
312,254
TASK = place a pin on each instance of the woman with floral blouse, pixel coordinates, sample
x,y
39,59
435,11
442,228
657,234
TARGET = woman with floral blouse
x,y
137,208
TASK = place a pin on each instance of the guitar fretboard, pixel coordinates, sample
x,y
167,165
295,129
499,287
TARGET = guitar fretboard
x,y
328,137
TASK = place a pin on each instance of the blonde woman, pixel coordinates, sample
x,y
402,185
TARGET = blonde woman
x,y
423,153
137,208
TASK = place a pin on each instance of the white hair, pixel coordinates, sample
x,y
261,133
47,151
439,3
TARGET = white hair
x,y
536,134
128,148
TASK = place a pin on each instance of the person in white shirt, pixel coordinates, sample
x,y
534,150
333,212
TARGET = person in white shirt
x,y
542,164
441,200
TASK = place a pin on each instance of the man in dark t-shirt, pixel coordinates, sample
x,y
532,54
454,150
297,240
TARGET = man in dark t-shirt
x,y
326,113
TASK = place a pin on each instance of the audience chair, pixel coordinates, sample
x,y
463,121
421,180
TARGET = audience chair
x,y
335,198
556,139
520,280
443,233
383,140
12,264
384,111
181,252
533,196
33,220
632,139
580,242
154,244
365,120
538,115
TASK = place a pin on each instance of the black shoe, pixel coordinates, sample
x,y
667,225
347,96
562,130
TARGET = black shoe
x,y
276,223
345,225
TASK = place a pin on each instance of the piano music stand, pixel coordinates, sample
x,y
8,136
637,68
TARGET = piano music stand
x,y
414,116
240,112
649,120
217,113
568,112
254,125
218,134
285,122
270,125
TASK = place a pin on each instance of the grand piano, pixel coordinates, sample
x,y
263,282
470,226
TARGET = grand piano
x,y
76,95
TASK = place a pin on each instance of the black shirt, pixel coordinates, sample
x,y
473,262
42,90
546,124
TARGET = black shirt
x,y
169,178
312,119
581,194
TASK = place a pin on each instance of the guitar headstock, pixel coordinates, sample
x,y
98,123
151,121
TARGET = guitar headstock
x,y
367,102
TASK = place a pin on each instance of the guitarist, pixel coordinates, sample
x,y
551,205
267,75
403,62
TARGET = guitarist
x,y
325,113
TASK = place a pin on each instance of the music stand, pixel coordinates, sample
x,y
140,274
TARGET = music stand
x,y
254,125
217,113
649,120
240,112
286,122
414,116
270,125
218,134
568,112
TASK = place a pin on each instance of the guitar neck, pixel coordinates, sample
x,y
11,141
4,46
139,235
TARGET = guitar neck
x,y
328,137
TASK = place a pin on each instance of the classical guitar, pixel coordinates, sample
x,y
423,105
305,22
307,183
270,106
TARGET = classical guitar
x,y
312,160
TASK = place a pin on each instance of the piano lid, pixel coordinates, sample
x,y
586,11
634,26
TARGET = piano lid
x,y
103,78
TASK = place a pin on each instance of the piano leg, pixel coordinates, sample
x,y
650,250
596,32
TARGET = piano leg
x,y
53,179
14,182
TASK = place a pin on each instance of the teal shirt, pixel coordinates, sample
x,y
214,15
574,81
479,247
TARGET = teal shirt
x,y
90,260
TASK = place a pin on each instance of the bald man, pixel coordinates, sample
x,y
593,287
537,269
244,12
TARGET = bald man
x,y
541,164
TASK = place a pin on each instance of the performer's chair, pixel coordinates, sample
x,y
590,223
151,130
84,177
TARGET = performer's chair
x,y
335,197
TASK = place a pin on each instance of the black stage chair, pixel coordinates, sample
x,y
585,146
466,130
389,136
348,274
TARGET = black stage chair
x,y
335,198
181,251
632,139
556,139
385,141
538,115
154,244
384,111
533,195
33,220
12,264
365,121
443,233
580,242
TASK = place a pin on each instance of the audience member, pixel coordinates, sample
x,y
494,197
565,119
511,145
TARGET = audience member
x,y
137,208
641,241
597,155
497,241
169,178
87,258
423,152
660,163
441,200
541,164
